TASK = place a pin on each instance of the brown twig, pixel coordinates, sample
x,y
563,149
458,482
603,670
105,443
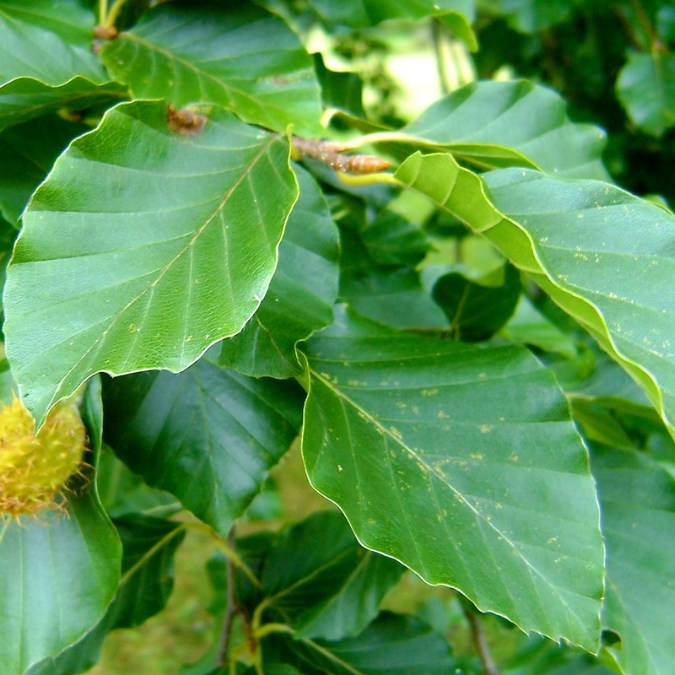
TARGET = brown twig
x,y
478,637
329,152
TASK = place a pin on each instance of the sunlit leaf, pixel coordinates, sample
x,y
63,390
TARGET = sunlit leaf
x,y
577,240
459,461
301,294
498,124
142,253
241,58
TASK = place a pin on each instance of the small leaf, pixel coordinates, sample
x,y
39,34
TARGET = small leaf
x,y
475,311
646,89
28,152
322,582
498,124
638,514
458,461
242,58
301,294
533,16
208,436
393,643
576,239
142,253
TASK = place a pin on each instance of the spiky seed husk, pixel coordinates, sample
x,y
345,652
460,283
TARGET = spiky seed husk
x,y
34,470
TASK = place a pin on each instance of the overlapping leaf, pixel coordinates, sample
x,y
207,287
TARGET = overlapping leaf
x,y
462,463
318,579
208,436
242,58
28,152
145,586
577,240
46,62
532,16
301,294
638,512
144,247
393,643
497,124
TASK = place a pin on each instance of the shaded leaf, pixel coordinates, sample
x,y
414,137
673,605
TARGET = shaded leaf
x,y
208,436
241,58
392,239
475,311
28,152
646,89
577,240
322,582
498,124
142,254
528,326
458,461
393,643
301,294
638,514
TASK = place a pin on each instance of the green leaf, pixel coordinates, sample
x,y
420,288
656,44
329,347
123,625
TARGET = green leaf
x,y
459,461
395,644
321,582
528,326
243,59
498,124
477,311
301,294
533,16
46,60
359,14
26,98
146,584
208,436
28,152
577,240
646,89
58,578
71,20
638,514
141,254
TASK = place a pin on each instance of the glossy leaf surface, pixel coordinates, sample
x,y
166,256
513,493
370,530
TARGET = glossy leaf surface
x,y
458,461
75,556
638,512
497,124
141,254
241,58
209,436
301,294
576,240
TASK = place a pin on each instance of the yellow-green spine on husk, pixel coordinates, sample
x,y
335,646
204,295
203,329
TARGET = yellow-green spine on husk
x,y
35,470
